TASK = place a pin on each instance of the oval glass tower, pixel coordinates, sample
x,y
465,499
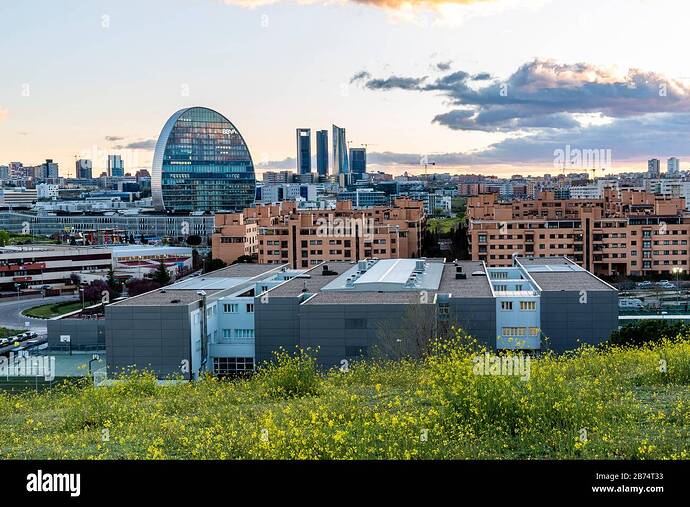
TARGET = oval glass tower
x,y
201,163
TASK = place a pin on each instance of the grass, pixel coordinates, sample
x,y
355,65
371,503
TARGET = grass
x,y
6,332
613,403
51,310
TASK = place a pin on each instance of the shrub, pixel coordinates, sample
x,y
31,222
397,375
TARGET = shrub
x,y
291,375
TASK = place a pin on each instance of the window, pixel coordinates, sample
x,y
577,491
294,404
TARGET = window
x,y
250,307
230,308
514,331
499,274
506,305
232,365
528,305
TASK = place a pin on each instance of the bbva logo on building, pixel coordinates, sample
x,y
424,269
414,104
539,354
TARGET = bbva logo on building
x,y
49,482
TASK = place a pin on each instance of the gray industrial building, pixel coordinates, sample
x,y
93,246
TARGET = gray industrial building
x,y
140,224
346,311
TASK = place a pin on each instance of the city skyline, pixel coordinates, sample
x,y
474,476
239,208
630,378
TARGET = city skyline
x,y
62,100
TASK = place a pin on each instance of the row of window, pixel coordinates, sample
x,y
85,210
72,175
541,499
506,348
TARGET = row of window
x,y
525,306
234,308
520,331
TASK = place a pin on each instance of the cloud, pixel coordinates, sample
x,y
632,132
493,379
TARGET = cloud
x,y
544,105
444,66
544,94
112,139
360,76
389,4
147,144
3,113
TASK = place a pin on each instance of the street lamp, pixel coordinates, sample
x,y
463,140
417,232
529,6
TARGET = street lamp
x,y
677,271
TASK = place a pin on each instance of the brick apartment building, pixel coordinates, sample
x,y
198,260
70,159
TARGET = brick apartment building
x,y
627,232
280,233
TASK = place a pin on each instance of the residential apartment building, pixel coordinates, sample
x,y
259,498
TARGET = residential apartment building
x,y
627,232
234,236
305,238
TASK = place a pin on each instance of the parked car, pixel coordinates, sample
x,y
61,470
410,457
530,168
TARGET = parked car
x,y
630,304
665,284
644,285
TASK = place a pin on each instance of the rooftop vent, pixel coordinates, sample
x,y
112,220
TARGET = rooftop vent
x,y
175,301
420,265
478,273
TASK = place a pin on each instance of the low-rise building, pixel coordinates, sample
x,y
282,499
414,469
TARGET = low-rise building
x,y
230,320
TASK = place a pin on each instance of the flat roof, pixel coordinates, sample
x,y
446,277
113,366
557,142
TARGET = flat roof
x,y
313,280
471,286
363,297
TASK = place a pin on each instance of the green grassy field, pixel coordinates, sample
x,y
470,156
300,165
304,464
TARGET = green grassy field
x,y
592,404
52,309
6,332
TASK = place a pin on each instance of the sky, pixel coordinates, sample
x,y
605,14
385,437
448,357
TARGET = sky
x,y
480,86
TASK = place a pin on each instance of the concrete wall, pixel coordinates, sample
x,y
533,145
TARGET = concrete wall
x,y
276,325
85,334
566,321
475,316
154,337
332,329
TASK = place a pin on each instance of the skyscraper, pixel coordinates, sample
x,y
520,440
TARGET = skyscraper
x,y
340,160
358,161
84,169
201,163
653,168
673,167
116,168
304,151
322,152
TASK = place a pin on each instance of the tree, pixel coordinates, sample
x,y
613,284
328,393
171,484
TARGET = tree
x,y
244,259
194,240
113,284
4,238
161,275
137,286
94,291
213,264
75,279
411,335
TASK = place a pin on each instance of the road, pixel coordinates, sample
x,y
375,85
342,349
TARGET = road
x,y
10,313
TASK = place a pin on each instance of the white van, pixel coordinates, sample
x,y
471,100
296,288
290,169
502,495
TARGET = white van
x,y
630,304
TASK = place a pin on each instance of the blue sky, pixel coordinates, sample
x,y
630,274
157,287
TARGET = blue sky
x,y
89,78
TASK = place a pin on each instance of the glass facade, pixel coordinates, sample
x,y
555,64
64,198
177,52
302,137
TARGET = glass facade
x,y
322,152
304,151
340,161
201,163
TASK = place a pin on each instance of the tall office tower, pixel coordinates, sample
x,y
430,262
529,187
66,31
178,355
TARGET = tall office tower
x,y
340,160
47,171
653,168
304,151
673,167
358,160
115,166
322,152
84,169
4,172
